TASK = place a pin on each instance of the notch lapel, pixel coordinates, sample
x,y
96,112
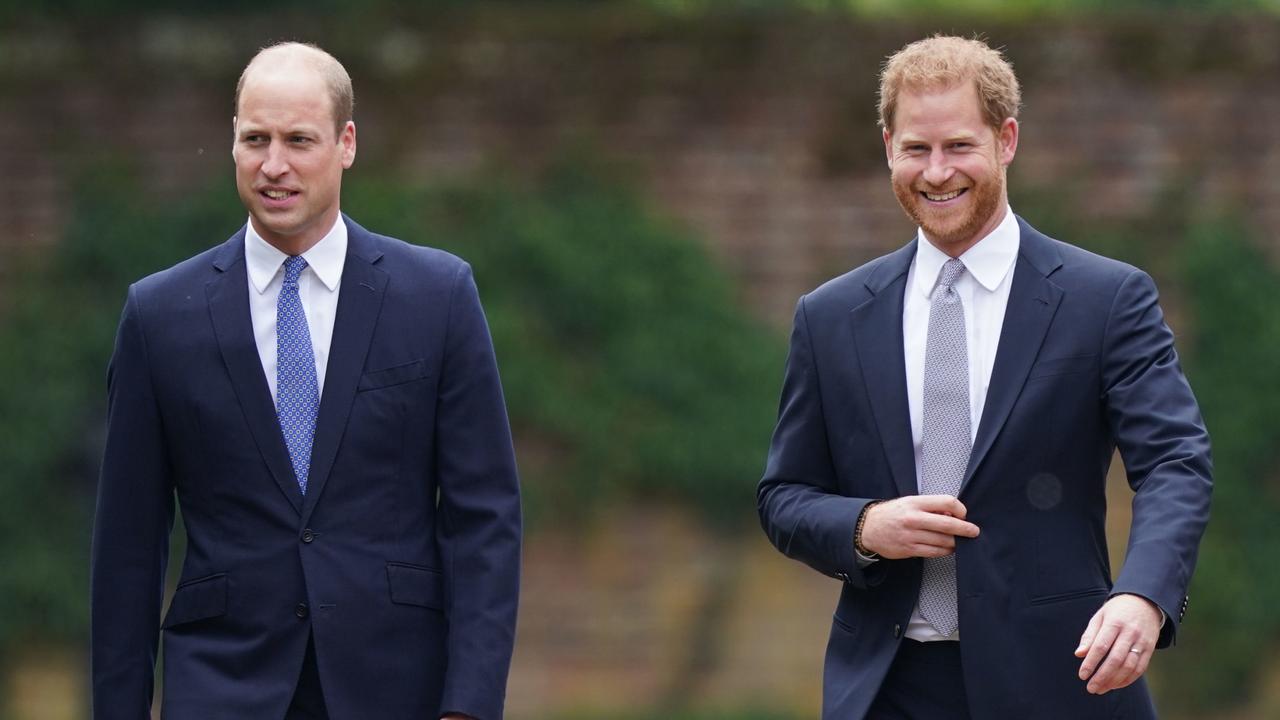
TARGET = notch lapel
x,y
228,297
359,303
1033,301
877,335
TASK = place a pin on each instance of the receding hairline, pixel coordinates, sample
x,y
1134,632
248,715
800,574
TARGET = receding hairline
x,y
293,54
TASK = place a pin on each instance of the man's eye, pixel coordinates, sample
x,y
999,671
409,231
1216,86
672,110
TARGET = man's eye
x,y
299,139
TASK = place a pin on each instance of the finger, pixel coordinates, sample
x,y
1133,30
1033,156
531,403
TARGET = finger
x,y
947,524
1086,639
1109,671
1132,668
1098,649
930,551
945,504
1113,669
1143,661
940,541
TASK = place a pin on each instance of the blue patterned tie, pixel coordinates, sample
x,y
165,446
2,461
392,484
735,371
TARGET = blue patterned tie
x,y
297,392
945,436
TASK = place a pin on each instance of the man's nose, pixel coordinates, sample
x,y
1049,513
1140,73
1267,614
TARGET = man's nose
x,y
939,171
276,162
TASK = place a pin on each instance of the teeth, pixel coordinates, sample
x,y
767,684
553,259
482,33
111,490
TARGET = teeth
x,y
276,194
944,196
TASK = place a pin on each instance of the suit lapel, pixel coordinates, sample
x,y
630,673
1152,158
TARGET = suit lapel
x,y
877,334
359,302
228,297
1033,300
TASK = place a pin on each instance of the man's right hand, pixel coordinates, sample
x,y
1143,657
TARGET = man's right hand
x,y
916,526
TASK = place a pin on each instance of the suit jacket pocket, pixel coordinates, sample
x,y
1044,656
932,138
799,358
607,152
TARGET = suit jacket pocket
x,y
1072,595
1052,367
415,585
843,624
198,599
398,375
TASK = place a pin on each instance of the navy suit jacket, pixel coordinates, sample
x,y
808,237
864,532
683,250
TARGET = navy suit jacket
x,y
1085,364
403,557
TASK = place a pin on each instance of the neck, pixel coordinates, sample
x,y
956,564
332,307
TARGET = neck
x,y
301,242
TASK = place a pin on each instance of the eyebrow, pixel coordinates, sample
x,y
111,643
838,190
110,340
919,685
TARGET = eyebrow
x,y
916,140
260,130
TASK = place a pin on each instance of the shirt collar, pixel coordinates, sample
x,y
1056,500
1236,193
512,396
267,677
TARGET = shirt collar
x,y
326,258
988,261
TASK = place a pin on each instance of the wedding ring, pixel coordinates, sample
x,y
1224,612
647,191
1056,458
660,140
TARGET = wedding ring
x,y
1135,650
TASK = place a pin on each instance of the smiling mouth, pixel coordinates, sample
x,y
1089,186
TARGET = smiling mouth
x,y
278,194
943,197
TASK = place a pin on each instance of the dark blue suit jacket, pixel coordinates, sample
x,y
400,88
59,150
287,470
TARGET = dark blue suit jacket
x,y
402,558
1085,364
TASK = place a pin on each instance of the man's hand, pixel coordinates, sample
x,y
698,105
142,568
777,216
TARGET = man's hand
x,y
1118,643
916,526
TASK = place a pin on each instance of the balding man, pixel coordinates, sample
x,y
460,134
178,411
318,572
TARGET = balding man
x,y
324,404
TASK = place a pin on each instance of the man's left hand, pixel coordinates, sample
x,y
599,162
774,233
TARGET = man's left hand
x,y
1118,643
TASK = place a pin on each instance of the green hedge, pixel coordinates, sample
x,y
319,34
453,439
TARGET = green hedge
x,y
629,367
1233,360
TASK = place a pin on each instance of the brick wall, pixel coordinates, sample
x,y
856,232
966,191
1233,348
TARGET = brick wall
x,y
757,133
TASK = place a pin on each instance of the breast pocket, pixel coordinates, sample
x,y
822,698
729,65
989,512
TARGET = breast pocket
x,y
1054,367
386,412
393,376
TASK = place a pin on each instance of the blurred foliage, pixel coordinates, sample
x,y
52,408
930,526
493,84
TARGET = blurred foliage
x,y
628,368
875,8
1232,363
994,8
56,332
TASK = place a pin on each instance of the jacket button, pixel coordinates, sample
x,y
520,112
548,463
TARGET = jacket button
x,y
308,536
897,631
301,610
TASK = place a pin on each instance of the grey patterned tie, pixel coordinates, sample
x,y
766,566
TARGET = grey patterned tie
x,y
945,435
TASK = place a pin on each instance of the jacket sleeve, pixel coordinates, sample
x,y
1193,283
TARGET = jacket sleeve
x,y
800,506
480,525
131,532
1156,424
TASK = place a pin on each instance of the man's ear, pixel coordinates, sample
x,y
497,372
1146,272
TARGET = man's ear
x,y
1007,137
888,147
348,141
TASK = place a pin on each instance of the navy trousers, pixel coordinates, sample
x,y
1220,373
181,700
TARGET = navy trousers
x,y
308,700
925,682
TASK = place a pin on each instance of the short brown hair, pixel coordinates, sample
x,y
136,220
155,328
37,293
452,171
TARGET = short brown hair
x,y
942,62
341,93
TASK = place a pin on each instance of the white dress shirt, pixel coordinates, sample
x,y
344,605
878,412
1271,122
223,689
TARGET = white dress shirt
x,y
984,291
318,287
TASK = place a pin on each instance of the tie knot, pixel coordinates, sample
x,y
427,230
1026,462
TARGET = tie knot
x,y
293,267
950,273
